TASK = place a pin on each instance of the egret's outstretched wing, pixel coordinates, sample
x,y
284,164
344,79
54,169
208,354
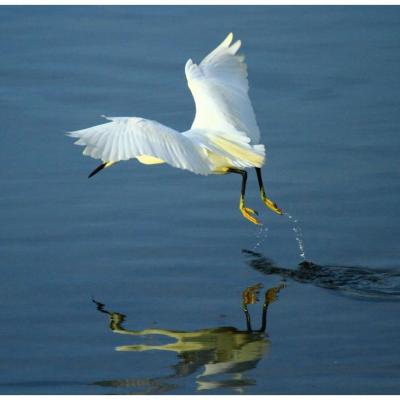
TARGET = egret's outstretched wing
x,y
126,138
220,89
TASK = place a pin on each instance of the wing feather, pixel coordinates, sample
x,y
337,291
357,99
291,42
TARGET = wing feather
x,y
220,87
125,138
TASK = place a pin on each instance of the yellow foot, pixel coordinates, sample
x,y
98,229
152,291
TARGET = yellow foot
x,y
271,204
247,214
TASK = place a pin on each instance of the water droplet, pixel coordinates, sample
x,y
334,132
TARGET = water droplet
x,y
298,235
261,236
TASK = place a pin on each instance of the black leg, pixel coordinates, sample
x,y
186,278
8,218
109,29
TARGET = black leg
x,y
259,178
244,178
244,210
269,203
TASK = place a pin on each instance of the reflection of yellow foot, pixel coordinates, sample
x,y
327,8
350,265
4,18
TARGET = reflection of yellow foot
x,y
269,203
250,294
272,294
247,213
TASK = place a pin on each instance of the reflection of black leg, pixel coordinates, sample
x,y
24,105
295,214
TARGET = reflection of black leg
x,y
269,203
244,210
270,296
247,314
264,318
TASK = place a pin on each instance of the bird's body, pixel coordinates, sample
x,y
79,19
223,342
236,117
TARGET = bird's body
x,y
223,138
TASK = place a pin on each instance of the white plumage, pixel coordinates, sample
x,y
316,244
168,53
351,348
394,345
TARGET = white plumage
x,y
223,138
224,132
220,88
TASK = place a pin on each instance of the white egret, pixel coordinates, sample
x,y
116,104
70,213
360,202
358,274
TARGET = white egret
x,y
224,137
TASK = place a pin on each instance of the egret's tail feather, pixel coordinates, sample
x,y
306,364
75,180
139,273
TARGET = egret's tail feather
x,y
243,154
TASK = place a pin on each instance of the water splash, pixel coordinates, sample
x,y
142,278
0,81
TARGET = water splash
x,y
261,236
298,235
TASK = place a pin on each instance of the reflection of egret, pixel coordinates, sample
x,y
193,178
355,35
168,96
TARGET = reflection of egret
x,y
224,137
221,350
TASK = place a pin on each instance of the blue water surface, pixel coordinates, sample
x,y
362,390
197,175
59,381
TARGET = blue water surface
x,y
139,280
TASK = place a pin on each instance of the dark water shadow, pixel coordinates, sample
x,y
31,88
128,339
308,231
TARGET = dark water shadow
x,y
220,355
361,282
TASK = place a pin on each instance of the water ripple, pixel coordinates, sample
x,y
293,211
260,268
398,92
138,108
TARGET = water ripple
x,y
358,281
